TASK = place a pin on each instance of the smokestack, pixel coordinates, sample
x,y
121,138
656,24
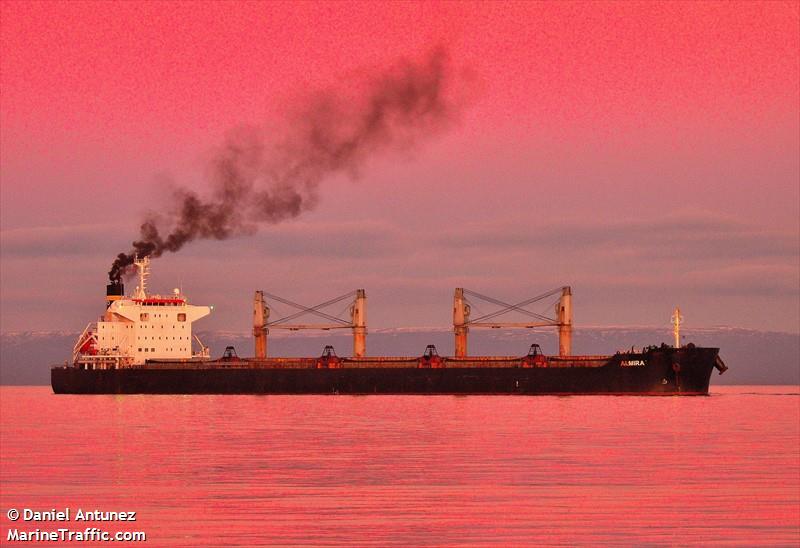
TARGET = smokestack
x,y
114,292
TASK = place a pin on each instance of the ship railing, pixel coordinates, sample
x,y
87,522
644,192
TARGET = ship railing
x,y
104,361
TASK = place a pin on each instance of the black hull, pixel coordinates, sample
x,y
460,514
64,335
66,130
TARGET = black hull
x,y
667,371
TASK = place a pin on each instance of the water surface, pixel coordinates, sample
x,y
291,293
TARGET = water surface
x,y
412,470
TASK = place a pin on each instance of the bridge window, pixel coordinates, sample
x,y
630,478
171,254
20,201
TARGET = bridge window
x,y
181,317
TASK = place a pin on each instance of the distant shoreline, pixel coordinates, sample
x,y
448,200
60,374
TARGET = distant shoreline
x,y
755,358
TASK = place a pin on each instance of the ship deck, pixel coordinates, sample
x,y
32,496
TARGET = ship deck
x,y
383,362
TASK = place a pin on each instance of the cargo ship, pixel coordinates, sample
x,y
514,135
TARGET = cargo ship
x,y
143,344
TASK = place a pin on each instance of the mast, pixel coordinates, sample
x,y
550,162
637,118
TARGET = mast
x,y
143,265
677,320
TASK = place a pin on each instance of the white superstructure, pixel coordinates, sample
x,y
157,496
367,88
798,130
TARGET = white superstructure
x,y
143,327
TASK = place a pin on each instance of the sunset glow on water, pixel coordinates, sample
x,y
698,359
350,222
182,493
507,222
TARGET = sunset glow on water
x,y
413,471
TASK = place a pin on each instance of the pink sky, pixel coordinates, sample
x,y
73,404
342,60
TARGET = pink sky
x,y
646,154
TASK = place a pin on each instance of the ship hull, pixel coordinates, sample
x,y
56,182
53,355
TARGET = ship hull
x,y
665,371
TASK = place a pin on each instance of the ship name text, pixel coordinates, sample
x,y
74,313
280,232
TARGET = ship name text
x,y
633,363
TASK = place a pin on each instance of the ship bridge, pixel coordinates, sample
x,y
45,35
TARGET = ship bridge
x,y
141,328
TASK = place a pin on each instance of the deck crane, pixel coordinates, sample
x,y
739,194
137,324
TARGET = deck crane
x,y
563,317
357,322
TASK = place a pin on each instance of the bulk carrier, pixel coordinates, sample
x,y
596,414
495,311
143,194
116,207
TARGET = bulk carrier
x,y
143,344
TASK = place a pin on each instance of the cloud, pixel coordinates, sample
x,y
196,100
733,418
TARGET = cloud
x,y
619,269
745,279
679,236
350,239
49,241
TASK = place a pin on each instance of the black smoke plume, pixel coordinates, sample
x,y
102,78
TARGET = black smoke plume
x,y
257,178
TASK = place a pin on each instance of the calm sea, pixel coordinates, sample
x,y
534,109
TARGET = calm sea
x,y
410,471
